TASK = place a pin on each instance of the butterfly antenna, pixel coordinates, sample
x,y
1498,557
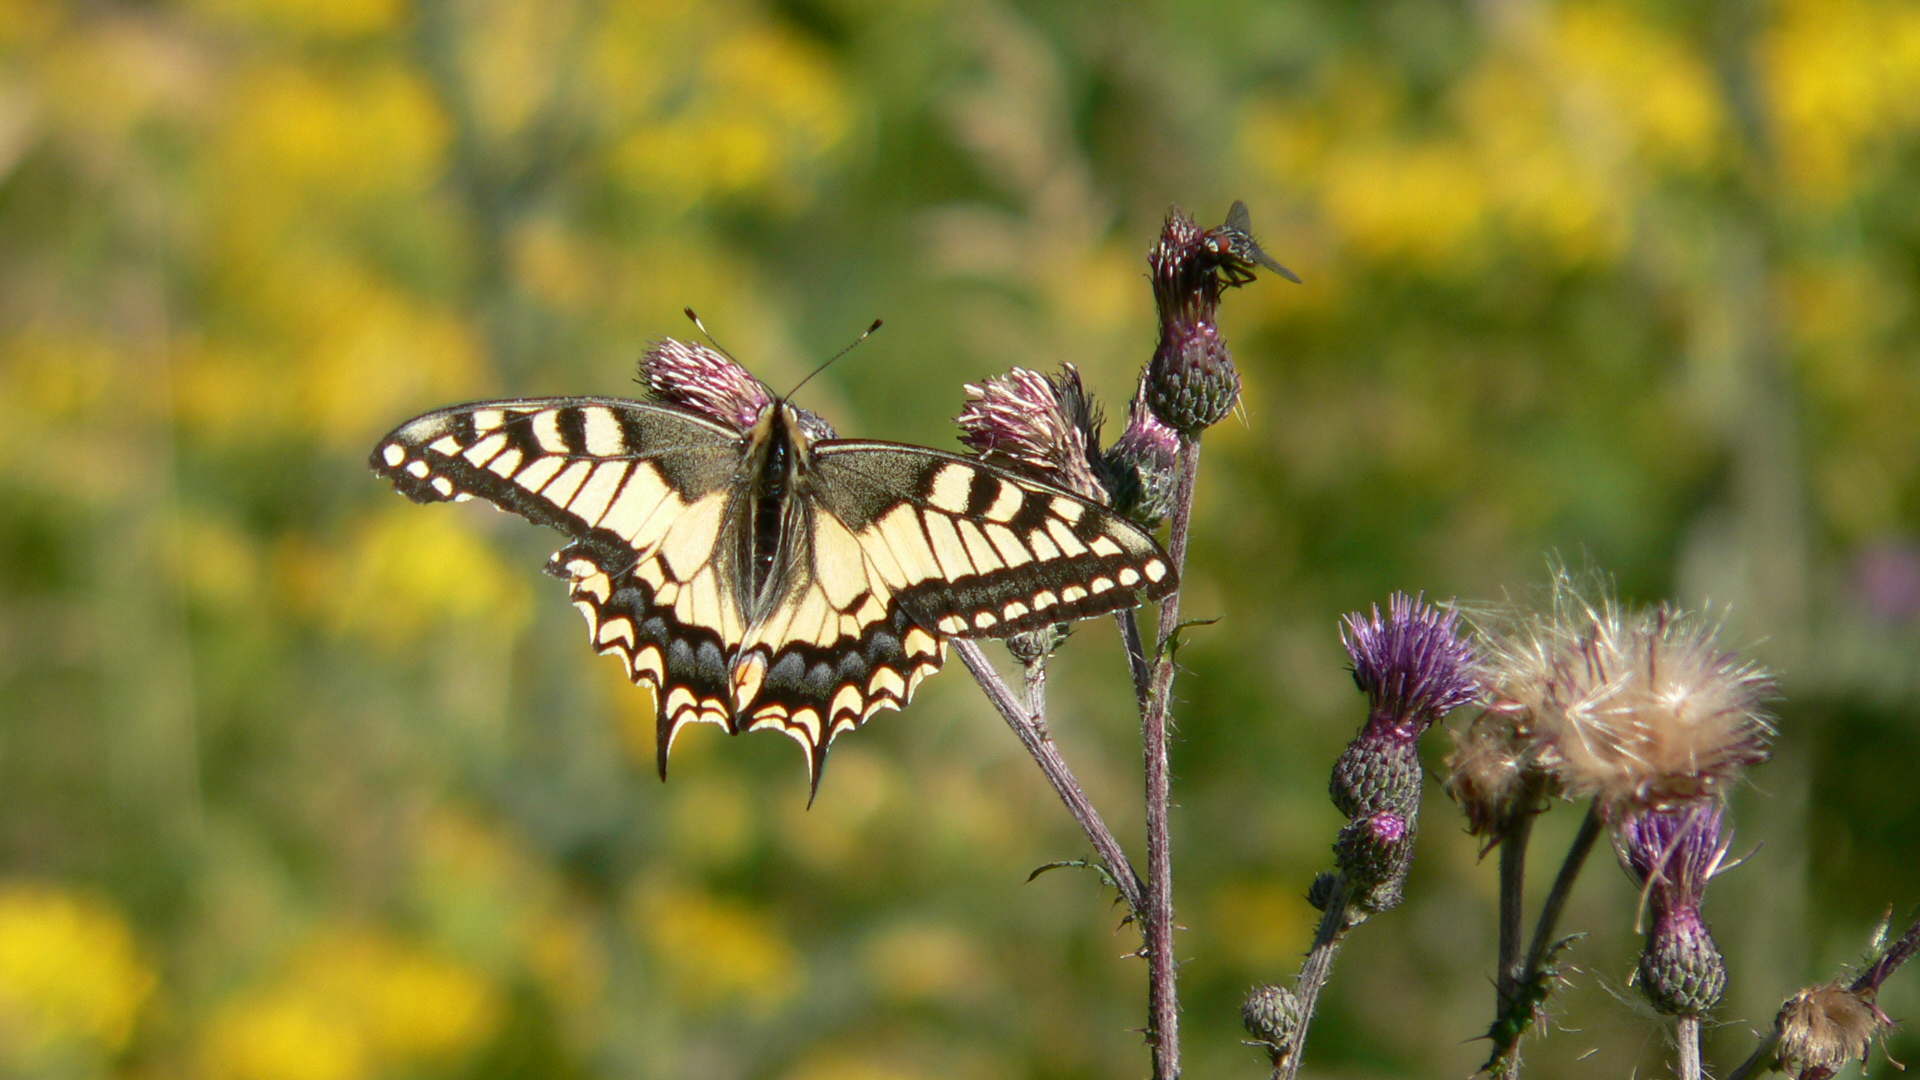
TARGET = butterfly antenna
x,y
796,389
708,334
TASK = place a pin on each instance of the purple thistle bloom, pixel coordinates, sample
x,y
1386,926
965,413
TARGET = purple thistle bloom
x,y
704,381
1191,380
1045,426
1413,665
1671,853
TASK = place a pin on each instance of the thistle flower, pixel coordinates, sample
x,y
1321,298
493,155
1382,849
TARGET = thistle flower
x,y
1139,468
1191,380
705,381
1672,852
1414,668
1634,709
1046,427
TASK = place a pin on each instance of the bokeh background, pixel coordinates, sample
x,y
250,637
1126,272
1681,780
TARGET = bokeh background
x,y
299,781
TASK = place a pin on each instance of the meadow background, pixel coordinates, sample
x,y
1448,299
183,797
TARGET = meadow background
x,y
299,781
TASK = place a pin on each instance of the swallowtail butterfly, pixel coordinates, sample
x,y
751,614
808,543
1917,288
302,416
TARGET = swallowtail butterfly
x,y
755,570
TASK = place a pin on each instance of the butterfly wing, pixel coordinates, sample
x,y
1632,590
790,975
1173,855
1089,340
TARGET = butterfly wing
x,y
645,493
970,550
904,546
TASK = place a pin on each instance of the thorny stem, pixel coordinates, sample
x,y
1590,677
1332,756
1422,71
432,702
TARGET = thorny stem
x,y
1516,1016
1031,728
1316,968
1163,1002
1688,1033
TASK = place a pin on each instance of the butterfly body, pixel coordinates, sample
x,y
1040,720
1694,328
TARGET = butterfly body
x,y
758,572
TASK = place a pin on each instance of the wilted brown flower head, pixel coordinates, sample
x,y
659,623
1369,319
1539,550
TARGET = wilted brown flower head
x,y
1494,768
1824,1027
1632,708
1046,427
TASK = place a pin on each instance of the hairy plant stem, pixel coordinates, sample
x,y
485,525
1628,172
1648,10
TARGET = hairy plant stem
x,y
1687,1063
1163,1001
1528,987
1031,727
1316,968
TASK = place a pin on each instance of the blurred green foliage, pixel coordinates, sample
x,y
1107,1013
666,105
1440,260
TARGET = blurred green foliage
x,y
301,782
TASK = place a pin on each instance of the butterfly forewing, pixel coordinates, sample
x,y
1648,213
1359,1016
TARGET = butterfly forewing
x,y
972,551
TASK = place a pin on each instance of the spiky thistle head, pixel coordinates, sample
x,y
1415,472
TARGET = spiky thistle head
x,y
705,381
1140,467
1045,426
1634,709
1412,663
1191,380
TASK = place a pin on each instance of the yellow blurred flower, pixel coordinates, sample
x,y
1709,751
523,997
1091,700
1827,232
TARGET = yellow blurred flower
x,y
319,18
1842,79
71,978
409,567
1421,202
927,962
717,952
353,1004
1657,92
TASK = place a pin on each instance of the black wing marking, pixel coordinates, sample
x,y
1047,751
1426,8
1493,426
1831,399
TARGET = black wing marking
x,y
969,550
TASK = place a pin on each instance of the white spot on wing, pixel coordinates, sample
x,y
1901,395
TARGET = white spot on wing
x,y
546,429
482,452
538,472
393,455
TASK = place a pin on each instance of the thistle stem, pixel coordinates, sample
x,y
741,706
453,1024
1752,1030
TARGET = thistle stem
x,y
1687,1031
1315,970
1570,867
1032,730
1517,1011
1515,836
1163,1002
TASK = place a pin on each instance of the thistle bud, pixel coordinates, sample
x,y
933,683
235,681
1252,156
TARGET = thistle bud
x,y
1139,469
1374,850
1272,1016
1671,854
1320,893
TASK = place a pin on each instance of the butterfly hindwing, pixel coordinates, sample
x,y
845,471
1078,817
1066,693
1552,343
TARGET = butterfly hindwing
x,y
969,550
837,648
